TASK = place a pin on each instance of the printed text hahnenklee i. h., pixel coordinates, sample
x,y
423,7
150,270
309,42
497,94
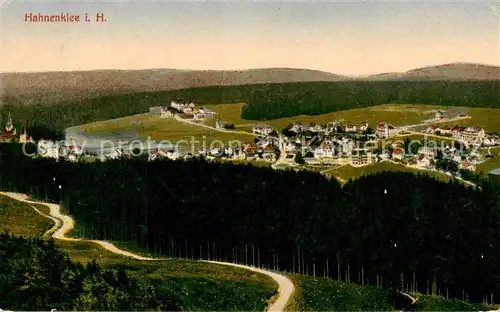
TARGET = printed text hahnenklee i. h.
x,y
62,18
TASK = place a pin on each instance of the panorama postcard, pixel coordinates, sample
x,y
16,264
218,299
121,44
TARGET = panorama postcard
x,y
249,155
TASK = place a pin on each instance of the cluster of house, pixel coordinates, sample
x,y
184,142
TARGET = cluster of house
x,y
265,148
328,149
183,109
426,156
470,135
52,149
9,133
331,127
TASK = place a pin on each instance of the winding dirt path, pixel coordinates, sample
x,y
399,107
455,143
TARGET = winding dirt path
x,y
64,224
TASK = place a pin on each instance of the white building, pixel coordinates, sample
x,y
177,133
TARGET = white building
x,y
424,161
47,148
363,127
427,151
333,126
385,130
289,147
324,150
180,105
262,129
347,146
398,154
350,128
360,157
473,135
204,113
491,140
157,154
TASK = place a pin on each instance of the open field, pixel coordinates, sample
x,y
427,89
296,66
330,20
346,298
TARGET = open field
x,y
323,294
349,172
147,126
491,163
20,219
437,303
372,115
197,286
396,114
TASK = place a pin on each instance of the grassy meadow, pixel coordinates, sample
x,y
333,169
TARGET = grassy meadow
x,y
396,114
20,219
438,303
323,294
490,163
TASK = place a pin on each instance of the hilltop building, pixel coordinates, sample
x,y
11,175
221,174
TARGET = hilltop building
x,y
182,105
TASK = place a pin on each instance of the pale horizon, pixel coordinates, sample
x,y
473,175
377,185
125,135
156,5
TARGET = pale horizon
x,y
343,38
235,69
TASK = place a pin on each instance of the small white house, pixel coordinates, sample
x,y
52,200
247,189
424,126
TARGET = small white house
x,y
363,127
425,161
180,105
398,154
262,129
350,128
47,148
324,150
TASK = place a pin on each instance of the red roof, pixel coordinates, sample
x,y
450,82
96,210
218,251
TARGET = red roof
x,y
397,151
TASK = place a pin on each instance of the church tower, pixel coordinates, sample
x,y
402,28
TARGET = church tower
x,y
9,126
23,136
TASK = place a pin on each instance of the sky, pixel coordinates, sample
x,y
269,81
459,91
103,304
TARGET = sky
x,y
349,38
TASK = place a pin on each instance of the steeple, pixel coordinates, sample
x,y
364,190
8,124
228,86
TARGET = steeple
x,y
9,126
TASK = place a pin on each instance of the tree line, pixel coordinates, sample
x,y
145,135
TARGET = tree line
x,y
392,229
264,101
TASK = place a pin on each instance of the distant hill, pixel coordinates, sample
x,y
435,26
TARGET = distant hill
x,y
57,86
54,87
452,71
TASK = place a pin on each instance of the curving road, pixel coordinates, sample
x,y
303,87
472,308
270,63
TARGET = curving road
x,y
64,224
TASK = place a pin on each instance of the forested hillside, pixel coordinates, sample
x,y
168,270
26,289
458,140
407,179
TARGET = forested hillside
x,y
265,101
392,229
36,275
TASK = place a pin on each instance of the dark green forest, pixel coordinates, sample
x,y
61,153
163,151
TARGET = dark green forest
x,y
37,276
264,101
395,230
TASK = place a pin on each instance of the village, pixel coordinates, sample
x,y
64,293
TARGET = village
x,y
349,144
335,143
